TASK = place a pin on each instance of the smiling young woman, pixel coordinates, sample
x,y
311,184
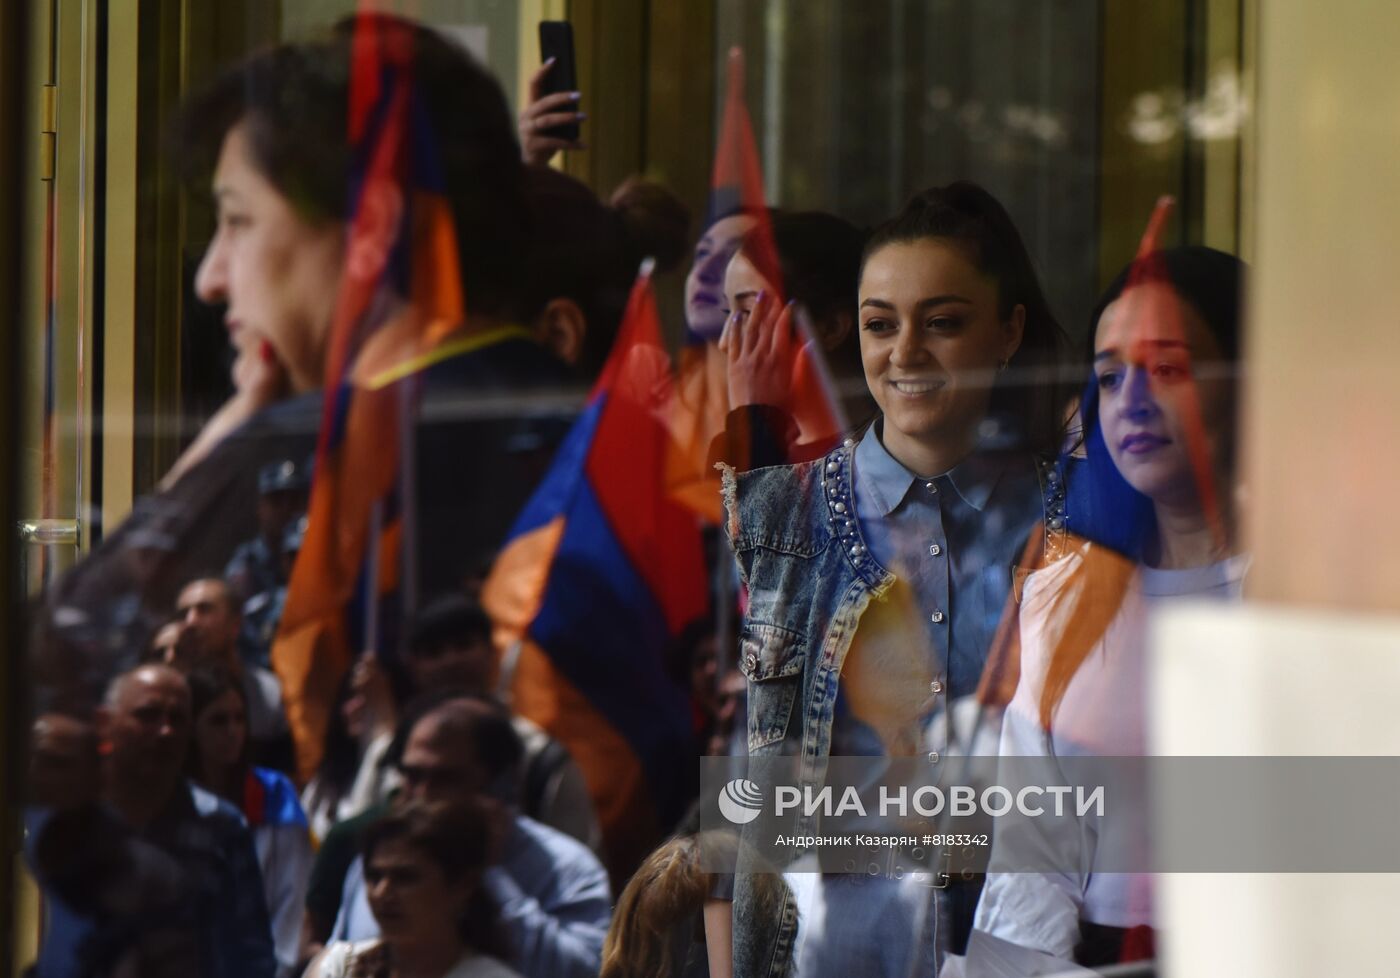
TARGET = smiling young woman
x,y
877,574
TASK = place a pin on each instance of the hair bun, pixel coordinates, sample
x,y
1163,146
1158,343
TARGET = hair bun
x,y
655,221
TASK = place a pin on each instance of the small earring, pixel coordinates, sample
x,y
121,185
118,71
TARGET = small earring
x,y
1002,366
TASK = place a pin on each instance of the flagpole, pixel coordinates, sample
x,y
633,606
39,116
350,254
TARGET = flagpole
x,y
370,639
408,503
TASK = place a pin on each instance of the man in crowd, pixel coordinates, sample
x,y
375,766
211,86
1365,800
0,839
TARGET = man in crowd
x,y
450,649
551,890
210,623
142,872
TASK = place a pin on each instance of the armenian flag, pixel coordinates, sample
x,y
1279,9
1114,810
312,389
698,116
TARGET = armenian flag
x,y
360,515
600,572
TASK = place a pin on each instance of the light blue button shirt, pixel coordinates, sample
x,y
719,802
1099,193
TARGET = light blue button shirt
x,y
953,538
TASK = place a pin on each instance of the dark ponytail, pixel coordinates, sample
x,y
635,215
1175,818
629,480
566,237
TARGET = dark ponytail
x,y
589,251
1030,399
655,222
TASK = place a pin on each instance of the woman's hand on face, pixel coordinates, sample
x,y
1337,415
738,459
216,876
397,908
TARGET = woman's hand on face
x,y
759,350
537,146
259,379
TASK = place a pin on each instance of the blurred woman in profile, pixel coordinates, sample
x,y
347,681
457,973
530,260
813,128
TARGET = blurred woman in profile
x,y
352,776
1159,483
423,866
271,137
218,761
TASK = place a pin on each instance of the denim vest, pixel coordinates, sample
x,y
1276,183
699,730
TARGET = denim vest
x,y
810,578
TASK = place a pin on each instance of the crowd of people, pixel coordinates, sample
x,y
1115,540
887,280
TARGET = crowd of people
x,y
968,569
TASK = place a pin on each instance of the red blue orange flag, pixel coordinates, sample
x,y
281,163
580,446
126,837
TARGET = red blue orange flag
x,y
352,559
602,569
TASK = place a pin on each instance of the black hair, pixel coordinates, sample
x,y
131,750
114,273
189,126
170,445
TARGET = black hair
x,y
1212,282
231,597
1030,410
457,838
207,685
819,256
680,651
590,252
340,757
450,620
477,724
819,262
294,98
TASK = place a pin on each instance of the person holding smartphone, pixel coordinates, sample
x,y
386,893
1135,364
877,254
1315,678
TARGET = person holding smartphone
x,y
550,120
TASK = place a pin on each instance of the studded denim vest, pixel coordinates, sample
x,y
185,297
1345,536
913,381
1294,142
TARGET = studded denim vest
x,y
810,578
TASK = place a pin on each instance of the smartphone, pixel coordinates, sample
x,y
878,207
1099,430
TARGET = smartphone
x,y
557,42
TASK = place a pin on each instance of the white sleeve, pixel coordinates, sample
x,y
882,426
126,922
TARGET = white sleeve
x,y
286,871
1037,910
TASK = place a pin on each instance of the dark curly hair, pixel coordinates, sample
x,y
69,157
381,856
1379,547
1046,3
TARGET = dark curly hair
x,y
456,837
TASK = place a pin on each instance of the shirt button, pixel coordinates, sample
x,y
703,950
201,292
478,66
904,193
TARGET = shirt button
x,y
935,687
931,487
751,661
936,617
935,550
933,757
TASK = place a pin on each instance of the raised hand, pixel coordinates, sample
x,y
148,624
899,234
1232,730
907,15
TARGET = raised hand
x,y
537,144
760,346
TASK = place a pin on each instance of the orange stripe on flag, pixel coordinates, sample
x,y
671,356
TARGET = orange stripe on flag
x,y
515,589
309,662
616,782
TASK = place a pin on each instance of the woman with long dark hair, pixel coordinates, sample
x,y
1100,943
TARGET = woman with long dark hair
x,y
877,574
218,761
1154,522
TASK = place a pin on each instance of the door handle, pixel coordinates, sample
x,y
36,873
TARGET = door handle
x,y
47,534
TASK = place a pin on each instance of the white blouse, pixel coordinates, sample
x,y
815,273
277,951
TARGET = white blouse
x,y
1102,713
